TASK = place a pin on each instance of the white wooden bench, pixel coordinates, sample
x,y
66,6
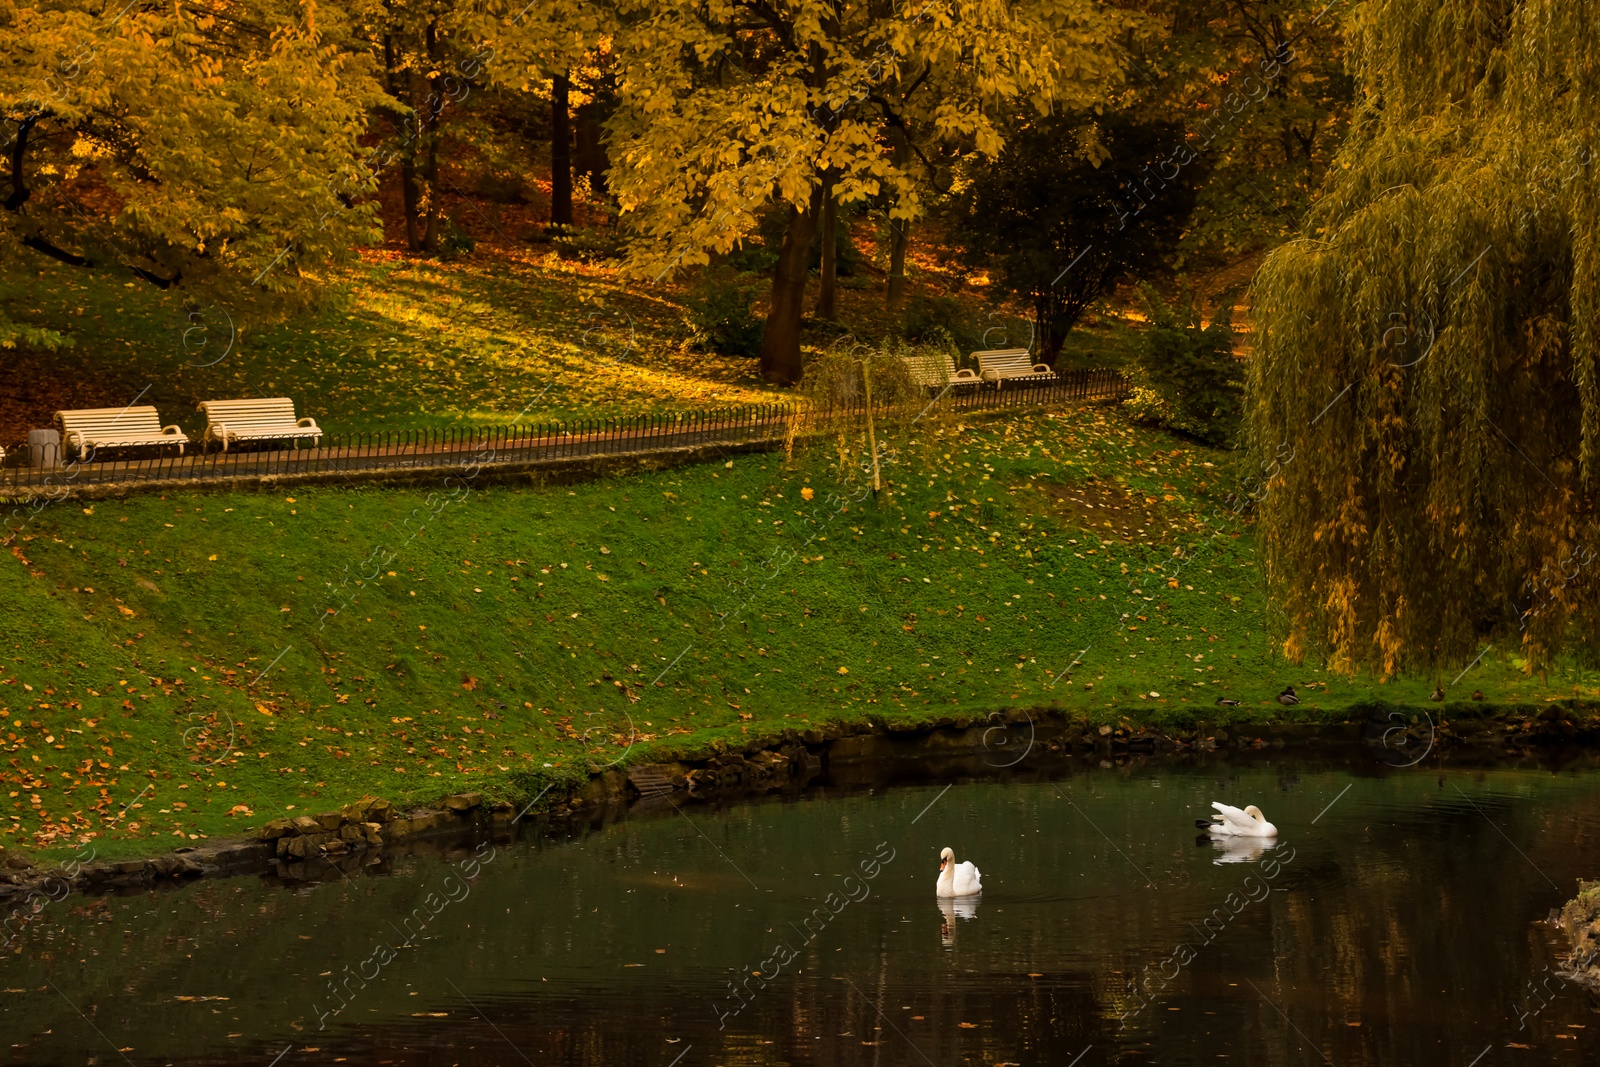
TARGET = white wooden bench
x,y
1001,365
88,429
937,372
264,419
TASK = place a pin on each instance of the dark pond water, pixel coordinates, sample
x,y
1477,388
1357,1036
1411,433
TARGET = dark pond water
x,y
1399,920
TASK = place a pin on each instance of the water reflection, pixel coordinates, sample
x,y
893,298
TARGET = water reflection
x,y
953,908
1237,849
1400,924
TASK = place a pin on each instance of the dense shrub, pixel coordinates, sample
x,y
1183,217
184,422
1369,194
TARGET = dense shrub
x,y
937,319
1184,376
588,244
718,313
752,257
501,186
454,242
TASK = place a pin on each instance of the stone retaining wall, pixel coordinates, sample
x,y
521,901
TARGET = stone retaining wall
x,y
299,847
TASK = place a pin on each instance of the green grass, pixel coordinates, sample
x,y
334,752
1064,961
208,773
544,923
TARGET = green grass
x,y
504,638
398,343
392,343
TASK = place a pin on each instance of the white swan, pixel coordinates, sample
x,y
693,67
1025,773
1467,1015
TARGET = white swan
x,y
1231,822
957,879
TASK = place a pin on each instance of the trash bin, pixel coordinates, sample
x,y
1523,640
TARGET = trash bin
x,y
44,449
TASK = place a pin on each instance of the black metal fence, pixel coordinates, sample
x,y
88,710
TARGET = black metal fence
x,y
52,470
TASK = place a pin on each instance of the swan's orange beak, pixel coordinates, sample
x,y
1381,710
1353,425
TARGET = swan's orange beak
x,y
941,864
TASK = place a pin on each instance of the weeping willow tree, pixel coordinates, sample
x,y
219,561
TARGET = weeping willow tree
x,y
1424,391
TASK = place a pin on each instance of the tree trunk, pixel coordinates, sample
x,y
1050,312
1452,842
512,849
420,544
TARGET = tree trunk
x,y
589,153
401,87
430,174
19,185
560,152
899,236
1047,316
828,294
780,344
410,198
428,132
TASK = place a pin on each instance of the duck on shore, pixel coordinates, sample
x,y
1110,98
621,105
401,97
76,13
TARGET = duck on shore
x,y
1288,696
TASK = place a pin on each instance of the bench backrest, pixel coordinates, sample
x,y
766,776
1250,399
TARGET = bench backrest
x,y
928,369
244,415
1005,361
107,423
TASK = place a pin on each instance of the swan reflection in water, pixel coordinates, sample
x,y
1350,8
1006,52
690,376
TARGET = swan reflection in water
x,y
1237,849
953,908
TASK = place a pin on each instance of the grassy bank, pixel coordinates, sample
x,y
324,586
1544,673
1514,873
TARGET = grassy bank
x,y
222,659
399,343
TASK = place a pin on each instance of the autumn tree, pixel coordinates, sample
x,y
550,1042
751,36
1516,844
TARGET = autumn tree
x,y
1071,206
1427,349
213,142
1262,92
430,64
729,106
541,46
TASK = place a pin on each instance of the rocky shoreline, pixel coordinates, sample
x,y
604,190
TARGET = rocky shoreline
x,y
1580,920
310,847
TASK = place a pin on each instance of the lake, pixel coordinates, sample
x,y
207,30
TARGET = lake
x,y
1399,919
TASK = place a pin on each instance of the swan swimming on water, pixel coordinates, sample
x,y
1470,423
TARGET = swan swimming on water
x,y
957,879
1231,822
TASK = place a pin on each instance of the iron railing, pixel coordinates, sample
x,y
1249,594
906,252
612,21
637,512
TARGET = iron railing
x,y
472,448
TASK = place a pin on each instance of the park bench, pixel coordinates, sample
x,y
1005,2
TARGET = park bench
x,y
1000,365
262,419
938,371
88,429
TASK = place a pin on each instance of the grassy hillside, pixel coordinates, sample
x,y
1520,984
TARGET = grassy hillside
x,y
221,659
398,343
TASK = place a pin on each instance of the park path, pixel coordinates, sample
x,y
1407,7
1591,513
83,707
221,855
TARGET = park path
x,y
469,450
